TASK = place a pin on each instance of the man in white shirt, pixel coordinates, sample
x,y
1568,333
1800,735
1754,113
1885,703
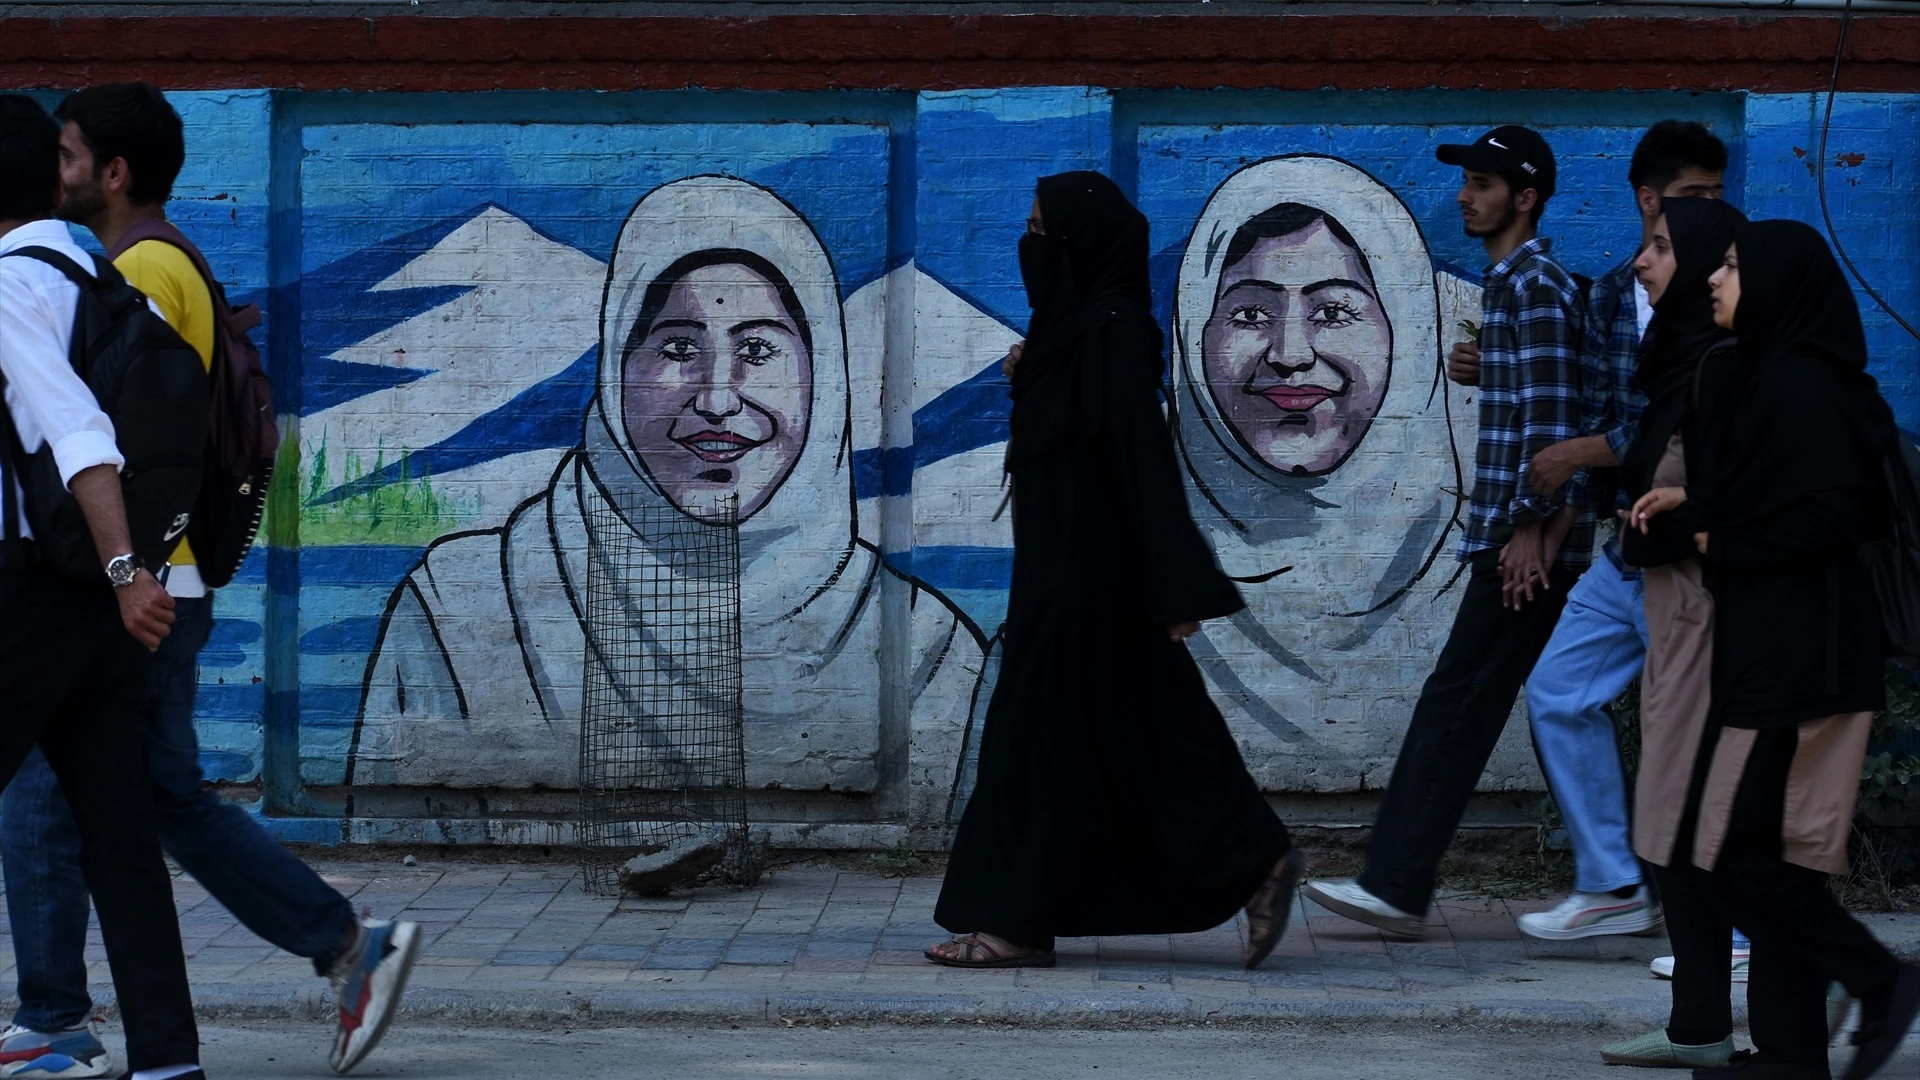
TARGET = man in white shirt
x,y
73,653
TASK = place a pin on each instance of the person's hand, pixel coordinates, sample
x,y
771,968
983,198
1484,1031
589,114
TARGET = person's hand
x,y
1183,631
1554,536
1553,467
145,610
1523,566
1700,541
1653,504
1012,358
1463,363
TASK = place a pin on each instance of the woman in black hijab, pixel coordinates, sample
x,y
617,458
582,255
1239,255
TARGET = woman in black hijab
x,y
1784,482
1690,241
1111,798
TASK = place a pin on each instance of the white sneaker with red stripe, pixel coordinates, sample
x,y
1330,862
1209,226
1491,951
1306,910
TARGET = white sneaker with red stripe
x,y
1585,915
367,983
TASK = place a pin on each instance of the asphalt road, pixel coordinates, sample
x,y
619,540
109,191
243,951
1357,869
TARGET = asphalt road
x,y
283,1051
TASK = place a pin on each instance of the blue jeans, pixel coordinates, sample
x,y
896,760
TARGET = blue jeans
x,y
275,894
1596,651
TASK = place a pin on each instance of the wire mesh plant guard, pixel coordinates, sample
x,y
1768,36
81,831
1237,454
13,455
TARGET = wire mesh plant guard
x,y
662,750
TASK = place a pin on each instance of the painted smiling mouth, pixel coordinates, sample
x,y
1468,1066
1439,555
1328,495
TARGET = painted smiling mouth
x,y
721,447
1297,398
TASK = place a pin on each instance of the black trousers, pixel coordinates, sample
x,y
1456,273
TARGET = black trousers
x,y
1702,939
1462,709
75,682
1802,938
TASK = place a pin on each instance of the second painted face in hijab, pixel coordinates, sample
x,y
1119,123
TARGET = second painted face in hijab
x,y
718,381
1298,350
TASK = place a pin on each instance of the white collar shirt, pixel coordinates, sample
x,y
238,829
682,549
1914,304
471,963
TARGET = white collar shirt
x,y
1642,306
45,397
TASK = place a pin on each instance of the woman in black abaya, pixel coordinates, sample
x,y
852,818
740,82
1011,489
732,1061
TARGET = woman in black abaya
x,y
1111,797
1784,486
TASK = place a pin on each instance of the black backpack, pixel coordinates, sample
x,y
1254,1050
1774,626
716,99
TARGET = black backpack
x,y
153,386
242,436
1893,561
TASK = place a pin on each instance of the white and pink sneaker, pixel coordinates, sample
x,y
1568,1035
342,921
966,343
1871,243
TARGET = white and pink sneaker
x,y
1585,915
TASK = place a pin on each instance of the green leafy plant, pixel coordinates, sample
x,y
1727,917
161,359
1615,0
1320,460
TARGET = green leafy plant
x,y
1886,862
1888,781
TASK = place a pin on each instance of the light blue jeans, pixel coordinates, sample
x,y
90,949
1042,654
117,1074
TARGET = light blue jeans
x,y
1597,649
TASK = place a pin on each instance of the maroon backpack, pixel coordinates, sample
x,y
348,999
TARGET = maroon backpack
x,y
242,437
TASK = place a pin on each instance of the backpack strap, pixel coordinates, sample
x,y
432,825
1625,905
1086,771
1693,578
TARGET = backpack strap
x,y
13,469
240,319
10,498
59,262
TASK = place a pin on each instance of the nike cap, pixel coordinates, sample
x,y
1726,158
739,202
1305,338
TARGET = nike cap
x,y
1511,151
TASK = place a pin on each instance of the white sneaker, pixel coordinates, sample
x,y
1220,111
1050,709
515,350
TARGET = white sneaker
x,y
367,984
1349,900
1585,915
1663,965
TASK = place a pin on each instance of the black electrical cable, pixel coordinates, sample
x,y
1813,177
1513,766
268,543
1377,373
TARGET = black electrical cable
x,y
1820,171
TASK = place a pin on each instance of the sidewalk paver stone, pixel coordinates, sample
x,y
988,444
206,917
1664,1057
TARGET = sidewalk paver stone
x,y
812,941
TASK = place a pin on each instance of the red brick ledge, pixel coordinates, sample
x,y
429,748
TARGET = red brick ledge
x,y
935,52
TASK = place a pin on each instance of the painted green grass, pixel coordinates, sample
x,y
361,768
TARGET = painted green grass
x,y
407,512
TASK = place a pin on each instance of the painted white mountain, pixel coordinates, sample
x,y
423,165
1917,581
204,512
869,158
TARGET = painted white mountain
x,y
532,310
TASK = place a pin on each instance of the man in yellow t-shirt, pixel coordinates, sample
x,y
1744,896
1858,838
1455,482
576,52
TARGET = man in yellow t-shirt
x,y
121,147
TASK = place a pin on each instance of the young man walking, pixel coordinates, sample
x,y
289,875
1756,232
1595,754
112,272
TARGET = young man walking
x,y
1523,548
121,148
1601,641
74,653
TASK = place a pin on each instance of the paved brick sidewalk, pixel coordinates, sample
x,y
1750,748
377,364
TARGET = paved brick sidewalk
x,y
810,941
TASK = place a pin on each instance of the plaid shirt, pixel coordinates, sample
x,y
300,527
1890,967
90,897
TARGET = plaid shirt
x,y
1610,400
1530,346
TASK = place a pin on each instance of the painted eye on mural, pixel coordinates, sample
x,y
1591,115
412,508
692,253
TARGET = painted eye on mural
x,y
1250,317
679,350
756,350
1335,313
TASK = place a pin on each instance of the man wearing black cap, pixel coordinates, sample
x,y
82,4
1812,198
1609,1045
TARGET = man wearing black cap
x,y
1523,549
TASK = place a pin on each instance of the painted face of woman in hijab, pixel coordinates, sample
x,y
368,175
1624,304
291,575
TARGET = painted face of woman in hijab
x,y
1298,349
1656,262
719,386
1725,284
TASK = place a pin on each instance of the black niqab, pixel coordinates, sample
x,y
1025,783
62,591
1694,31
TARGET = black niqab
x,y
1090,266
1799,368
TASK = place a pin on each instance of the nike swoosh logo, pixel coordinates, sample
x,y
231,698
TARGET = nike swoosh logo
x,y
1497,142
179,526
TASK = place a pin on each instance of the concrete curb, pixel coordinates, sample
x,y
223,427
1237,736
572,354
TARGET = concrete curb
x,y
586,1004
544,1004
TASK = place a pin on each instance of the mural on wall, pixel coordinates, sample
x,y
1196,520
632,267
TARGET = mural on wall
x,y
723,392
506,327
1323,446
438,297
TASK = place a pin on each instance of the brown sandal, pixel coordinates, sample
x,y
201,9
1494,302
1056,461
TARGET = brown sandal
x,y
1271,907
981,951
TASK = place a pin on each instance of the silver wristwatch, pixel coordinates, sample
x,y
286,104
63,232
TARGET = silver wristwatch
x,y
121,570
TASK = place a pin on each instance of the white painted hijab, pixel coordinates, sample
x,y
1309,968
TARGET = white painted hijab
x,y
1356,538
804,579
